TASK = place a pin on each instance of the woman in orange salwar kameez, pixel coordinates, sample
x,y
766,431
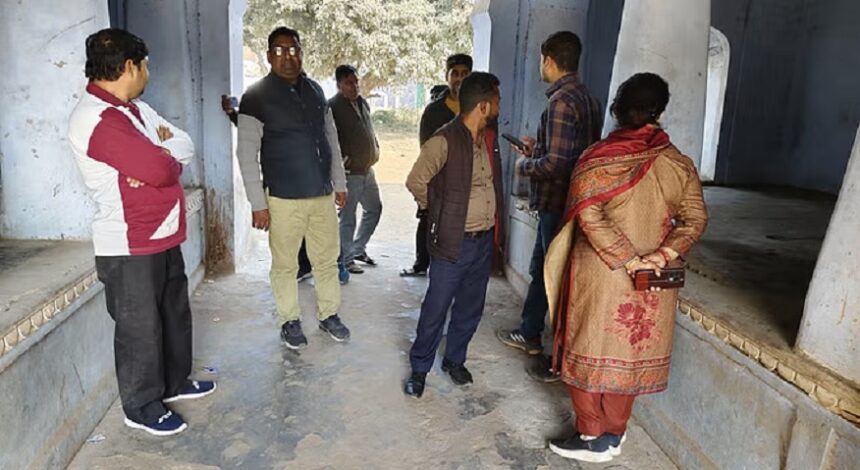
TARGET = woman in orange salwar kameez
x,y
635,202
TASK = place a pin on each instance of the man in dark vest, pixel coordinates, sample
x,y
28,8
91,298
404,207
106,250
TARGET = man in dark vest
x,y
360,151
229,104
285,119
444,107
457,178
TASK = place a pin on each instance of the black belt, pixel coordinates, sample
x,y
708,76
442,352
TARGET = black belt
x,y
477,235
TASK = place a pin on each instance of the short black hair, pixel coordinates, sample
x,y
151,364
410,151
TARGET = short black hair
x,y
108,50
344,71
640,100
458,59
283,31
477,88
565,48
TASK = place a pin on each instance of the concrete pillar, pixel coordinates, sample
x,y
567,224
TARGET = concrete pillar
x,y
830,330
42,61
507,39
669,38
186,86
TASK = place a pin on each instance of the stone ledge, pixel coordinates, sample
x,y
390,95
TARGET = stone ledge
x,y
46,312
828,390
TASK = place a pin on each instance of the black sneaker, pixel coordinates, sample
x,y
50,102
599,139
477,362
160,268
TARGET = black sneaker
x,y
354,268
291,333
415,385
583,448
304,275
458,372
515,339
413,272
541,370
365,259
334,327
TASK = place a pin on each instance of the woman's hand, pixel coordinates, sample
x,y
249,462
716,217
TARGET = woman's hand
x,y
638,263
656,258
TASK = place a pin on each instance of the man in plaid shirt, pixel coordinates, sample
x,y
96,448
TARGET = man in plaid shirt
x,y
571,122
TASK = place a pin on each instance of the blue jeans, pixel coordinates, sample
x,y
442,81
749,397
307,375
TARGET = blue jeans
x,y
464,283
361,189
535,306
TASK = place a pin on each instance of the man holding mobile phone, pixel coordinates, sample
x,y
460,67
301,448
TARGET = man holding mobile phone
x,y
571,122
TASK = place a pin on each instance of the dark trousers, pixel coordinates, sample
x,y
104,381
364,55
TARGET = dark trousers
x,y
464,283
147,296
422,255
535,305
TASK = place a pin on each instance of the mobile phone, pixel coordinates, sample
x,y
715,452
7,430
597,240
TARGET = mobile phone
x,y
234,102
516,142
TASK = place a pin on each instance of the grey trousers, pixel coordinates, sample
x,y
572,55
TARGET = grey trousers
x,y
361,189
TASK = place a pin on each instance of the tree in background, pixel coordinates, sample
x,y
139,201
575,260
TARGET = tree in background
x,y
390,42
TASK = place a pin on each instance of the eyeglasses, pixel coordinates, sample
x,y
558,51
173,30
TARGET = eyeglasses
x,y
292,51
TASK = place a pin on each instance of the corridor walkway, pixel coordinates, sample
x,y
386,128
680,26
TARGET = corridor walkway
x,y
340,406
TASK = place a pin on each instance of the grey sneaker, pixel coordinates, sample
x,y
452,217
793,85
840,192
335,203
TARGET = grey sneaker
x,y
515,339
335,328
291,333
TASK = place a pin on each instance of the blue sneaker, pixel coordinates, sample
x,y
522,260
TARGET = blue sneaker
x,y
615,443
583,448
342,273
193,389
167,425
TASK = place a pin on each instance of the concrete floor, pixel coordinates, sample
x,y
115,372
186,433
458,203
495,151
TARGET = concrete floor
x,y
340,406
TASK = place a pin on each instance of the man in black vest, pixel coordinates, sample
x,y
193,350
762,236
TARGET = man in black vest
x,y
285,119
457,179
444,107
230,106
360,152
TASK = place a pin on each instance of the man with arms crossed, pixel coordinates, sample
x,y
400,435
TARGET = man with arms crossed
x,y
131,159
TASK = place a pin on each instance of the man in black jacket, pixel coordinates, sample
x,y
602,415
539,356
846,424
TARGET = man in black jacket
x,y
360,151
440,111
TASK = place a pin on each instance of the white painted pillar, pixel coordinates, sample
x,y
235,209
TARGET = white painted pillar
x,y
42,63
669,38
830,330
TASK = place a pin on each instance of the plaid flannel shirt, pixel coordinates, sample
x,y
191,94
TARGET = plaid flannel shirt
x,y
571,122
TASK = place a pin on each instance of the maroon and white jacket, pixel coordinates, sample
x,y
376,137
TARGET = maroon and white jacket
x,y
113,141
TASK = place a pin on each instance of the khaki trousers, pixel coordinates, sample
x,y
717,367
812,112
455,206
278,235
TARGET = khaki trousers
x,y
315,220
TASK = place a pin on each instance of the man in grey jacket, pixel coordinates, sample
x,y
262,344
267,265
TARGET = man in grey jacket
x,y
286,130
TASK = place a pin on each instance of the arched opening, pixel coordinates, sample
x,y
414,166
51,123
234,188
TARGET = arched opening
x,y
718,75
482,29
